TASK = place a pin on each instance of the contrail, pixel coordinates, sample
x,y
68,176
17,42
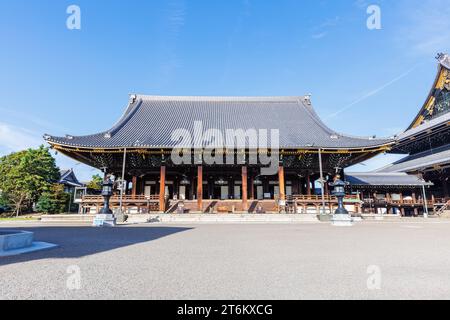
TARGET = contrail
x,y
373,92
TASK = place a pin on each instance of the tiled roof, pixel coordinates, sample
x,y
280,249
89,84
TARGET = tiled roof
x,y
149,121
420,161
68,178
433,123
384,179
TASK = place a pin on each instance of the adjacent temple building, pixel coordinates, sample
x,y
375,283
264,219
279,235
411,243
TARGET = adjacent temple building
x,y
141,146
399,187
427,139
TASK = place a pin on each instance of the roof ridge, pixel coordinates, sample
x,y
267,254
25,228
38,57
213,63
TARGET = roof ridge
x,y
221,98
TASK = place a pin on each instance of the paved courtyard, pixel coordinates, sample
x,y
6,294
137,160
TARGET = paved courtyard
x,y
408,260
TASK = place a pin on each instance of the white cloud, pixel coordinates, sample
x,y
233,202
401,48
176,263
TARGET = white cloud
x,y
362,4
426,26
13,138
175,21
372,92
319,35
322,30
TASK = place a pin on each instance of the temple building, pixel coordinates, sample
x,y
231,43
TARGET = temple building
x,y
263,154
265,151
426,142
69,180
418,182
396,193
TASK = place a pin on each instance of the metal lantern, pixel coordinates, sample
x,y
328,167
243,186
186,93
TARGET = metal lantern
x,y
107,188
257,181
339,192
184,181
221,181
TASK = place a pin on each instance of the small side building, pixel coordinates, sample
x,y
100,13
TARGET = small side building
x,y
392,193
69,180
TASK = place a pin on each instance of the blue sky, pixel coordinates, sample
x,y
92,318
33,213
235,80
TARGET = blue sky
x,y
363,82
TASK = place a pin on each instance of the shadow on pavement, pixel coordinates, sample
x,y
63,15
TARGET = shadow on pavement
x,y
80,241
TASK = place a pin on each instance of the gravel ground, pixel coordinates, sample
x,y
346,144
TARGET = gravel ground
x,y
242,261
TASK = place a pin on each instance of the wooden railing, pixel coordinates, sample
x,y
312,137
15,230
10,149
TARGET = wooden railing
x,y
318,198
444,207
116,198
152,202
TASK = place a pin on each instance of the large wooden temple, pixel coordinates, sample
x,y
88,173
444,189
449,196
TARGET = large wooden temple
x,y
141,145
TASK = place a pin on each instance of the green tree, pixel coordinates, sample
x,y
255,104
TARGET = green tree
x,y
26,174
95,183
54,200
4,202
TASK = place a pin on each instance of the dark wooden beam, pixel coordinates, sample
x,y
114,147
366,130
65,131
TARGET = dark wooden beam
x,y
134,187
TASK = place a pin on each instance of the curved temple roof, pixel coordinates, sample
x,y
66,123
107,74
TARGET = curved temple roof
x,y
149,122
441,82
384,179
427,160
432,120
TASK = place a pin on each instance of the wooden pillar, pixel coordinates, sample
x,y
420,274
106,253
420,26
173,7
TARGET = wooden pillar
x,y
244,189
191,188
444,188
308,184
162,189
252,188
134,187
200,188
281,183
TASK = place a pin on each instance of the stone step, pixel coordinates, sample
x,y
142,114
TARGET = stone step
x,y
445,214
223,218
68,218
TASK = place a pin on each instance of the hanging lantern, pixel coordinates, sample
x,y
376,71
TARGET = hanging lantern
x,y
220,182
257,181
184,181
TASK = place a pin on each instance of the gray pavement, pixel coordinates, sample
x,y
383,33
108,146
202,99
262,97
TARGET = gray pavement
x,y
408,260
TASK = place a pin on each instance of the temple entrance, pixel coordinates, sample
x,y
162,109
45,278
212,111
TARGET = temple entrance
x,y
224,189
